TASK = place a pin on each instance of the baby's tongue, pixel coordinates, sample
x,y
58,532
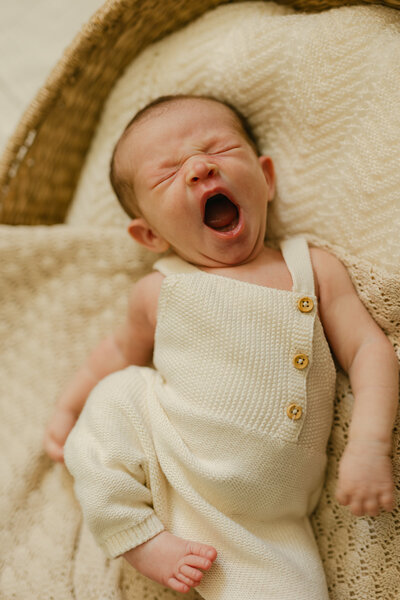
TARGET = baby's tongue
x,y
220,212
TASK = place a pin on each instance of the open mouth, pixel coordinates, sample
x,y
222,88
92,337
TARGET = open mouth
x,y
220,213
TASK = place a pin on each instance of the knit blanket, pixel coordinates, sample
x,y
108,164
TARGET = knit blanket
x,y
322,93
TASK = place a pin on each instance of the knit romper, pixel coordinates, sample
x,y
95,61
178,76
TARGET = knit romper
x,y
224,442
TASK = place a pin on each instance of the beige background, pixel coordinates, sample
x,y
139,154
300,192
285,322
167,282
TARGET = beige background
x,y
33,36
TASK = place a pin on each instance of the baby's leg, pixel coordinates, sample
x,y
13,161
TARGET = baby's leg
x,y
172,561
108,454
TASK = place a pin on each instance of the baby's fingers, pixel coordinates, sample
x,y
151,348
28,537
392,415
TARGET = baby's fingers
x,y
371,507
357,506
367,503
342,497
53,449
361,503
387,501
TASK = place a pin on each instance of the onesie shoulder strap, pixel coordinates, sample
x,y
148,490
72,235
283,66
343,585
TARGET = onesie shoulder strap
x,y
172,264
297,257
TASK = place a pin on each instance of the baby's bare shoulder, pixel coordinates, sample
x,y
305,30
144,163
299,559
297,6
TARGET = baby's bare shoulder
x,y
148,285
331,276
323,260
144,296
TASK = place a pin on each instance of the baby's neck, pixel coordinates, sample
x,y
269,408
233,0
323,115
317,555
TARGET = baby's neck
x,y
268,269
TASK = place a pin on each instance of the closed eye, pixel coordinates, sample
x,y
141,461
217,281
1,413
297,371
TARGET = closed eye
x,y
165,178
223,150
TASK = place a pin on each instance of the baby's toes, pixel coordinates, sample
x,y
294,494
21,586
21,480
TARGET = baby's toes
x,y
194,574
178,586
202,550
186,580
197,562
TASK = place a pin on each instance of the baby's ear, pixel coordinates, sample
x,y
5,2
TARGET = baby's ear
x,y
145,235
269,173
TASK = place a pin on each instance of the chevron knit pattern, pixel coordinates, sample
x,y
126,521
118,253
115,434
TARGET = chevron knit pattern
x,y
323,94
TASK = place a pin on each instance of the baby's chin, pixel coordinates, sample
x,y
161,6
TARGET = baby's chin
x,y
226,257
224,239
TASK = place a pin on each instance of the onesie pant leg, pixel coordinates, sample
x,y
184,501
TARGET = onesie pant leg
x,y
109,453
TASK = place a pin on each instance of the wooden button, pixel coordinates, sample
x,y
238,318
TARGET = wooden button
x,y
300,361
294,411
305,304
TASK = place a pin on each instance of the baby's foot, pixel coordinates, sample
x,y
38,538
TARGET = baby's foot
x,y
172,561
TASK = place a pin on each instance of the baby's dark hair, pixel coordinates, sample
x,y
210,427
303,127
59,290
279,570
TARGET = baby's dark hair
x,y
123,188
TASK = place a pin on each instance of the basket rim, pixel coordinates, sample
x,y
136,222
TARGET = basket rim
x,y
63,70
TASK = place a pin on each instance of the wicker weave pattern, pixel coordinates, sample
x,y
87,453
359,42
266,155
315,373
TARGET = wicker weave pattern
x,y
41,165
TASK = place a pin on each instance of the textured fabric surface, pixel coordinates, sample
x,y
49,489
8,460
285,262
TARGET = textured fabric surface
x,y
322,93
62,290
333,125
209,433
361,555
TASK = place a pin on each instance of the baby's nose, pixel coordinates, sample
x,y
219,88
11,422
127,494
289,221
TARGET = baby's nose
x,y
199,170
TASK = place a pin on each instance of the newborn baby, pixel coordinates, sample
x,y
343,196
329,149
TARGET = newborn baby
x,y
202,471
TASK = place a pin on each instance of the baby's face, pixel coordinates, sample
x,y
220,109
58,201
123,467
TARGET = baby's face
x,y
199,183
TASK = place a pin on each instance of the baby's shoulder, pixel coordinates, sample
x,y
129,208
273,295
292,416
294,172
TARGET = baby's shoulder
x,y
330,274
148,284
325,264
144,295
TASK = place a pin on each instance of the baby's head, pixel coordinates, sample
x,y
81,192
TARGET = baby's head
x,y
190,165
121,177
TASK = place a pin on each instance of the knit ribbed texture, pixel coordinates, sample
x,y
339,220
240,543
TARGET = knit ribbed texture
x,y
242,328
62,290
129,538
213,421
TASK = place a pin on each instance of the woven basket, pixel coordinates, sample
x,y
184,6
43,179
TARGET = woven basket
x,y
40,168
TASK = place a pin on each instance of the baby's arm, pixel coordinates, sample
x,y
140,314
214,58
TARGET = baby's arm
x,y
130,344
365,472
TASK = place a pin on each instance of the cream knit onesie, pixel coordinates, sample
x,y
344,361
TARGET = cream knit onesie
x,y
224,441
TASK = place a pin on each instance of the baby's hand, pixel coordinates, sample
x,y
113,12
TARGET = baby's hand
x,y
365,478
57,432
